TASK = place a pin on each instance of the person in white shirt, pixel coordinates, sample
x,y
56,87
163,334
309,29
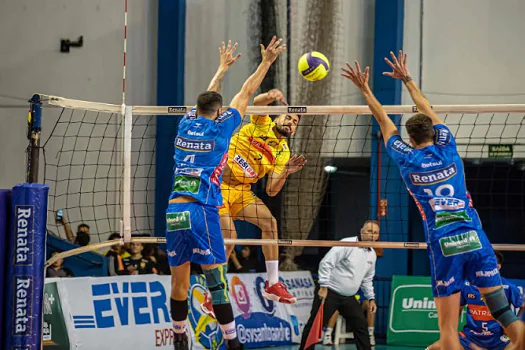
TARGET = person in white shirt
x,y
342,272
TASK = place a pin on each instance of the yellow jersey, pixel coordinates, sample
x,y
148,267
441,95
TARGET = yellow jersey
x,y
255,150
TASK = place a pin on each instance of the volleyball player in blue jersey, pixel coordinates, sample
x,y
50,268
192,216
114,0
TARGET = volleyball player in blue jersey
x,y
192,218
433,172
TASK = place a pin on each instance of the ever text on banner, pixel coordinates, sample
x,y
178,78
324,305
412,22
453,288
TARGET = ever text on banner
x,y
133,311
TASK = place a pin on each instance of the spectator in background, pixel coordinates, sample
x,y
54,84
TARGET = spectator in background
x,y
245,263
82,238
137,264
158,257
116,256
57,269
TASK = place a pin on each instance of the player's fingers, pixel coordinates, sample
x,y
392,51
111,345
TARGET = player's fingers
x,y
394,58
400,56
222,46
389,74
405,60
278,42
390,63
237,57
282,48
272,41
234,47
357,66
350,68
229,45
262,47
367,71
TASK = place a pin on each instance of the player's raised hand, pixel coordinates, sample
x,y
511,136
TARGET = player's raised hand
x,y
360,79
399,67
295,163
273,50
227,54
277,95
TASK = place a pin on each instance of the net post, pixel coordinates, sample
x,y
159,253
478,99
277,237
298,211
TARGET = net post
x,y
126,180
34,127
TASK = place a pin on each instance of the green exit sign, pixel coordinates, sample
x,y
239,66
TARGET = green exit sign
x,y
501,151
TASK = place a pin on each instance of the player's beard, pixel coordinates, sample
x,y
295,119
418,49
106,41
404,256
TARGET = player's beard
x,y
284,130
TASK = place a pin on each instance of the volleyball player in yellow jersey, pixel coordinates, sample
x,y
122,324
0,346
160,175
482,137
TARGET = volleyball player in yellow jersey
x,y
259,149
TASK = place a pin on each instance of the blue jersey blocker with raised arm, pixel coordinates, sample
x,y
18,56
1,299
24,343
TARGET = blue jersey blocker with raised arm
x,y
201,152
458,248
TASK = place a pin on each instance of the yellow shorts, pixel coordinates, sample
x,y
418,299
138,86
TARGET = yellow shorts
x,y
235,199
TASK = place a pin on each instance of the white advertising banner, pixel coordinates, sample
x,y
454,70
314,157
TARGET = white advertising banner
x,y
132,312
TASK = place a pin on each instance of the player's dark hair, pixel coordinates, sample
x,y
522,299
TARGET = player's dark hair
x,y
499,257
209,102
420,128
82,225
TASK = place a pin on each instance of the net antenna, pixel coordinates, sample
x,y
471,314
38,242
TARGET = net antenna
x,y
126,113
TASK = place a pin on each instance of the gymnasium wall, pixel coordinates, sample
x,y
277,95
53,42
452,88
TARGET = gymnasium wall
x,y
30,61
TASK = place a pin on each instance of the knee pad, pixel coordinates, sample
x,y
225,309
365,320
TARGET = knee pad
x,y
499,307
218,285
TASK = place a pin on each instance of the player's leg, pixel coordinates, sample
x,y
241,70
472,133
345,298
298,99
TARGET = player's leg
x,y
228,231
178,228
370,320
180,282
448,318
230,196
257,213
217,284
484,274
446,272
209,252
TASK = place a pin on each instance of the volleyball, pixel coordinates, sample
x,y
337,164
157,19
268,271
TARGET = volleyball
x,y
313,66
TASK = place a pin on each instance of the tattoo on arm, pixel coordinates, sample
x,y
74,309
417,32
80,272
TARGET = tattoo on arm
x,y
406,79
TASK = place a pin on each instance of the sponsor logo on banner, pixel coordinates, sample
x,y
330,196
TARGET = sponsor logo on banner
x,y
413,318
24,235
434,176
297,109
241,296
272,330
22,314
206,329
194,145
125,304
54,326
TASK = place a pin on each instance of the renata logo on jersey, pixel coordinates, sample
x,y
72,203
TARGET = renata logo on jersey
x,y
445,203
245,166
194,145
401,147
434,176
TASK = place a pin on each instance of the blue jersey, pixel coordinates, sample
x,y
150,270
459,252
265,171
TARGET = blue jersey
x,y
435,178
201,152
480,323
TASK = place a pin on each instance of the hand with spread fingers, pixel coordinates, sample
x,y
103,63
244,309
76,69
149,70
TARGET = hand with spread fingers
x,y
360,79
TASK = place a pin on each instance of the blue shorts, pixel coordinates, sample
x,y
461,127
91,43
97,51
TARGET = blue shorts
x,y
193,233
462,256
495,342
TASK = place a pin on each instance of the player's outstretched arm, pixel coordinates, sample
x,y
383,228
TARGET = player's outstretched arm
x,y
276,180
360,79
269,97
400,71
269,55
227,60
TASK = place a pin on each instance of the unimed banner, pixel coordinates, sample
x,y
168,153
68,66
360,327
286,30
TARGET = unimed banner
x,y
132,312
412,317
